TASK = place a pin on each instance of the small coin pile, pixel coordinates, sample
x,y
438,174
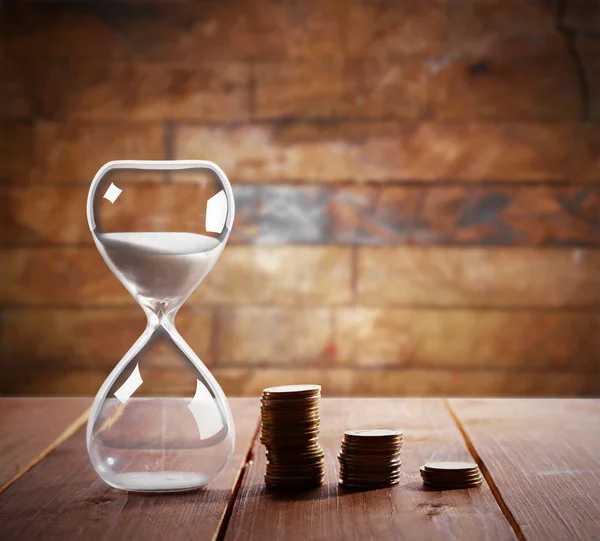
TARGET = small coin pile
x,y
290,432
370,458
447,475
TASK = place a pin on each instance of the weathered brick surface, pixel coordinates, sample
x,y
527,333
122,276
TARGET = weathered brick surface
x,y
466,338
344,151
239,381
342,124
352,215
299,89
278,275
476,26
392,29
91,338
53,152
469,277
499,84
16,151
274,336
212,92
187,31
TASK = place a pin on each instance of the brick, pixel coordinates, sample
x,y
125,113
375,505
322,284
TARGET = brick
x,y
476,339
182,31
586,157
308,29
298,89
476,26
500,85
31,89
273,336
281,214
148,91
58,277
52,152
363,215
353,89
343,151
13,91
92,338
385,90
478,277
468,215
16,151
50,215
283,275
237,381
74,152
389,29
279,275
411,382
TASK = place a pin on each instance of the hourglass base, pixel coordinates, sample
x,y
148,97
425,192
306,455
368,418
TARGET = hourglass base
x,y
158,481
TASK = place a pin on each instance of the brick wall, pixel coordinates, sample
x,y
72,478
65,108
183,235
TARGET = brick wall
x,y
417,189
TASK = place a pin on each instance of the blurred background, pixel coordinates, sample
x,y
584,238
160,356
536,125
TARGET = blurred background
x,y
418,207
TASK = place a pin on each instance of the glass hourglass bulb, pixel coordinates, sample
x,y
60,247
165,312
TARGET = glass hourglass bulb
x,y
160,421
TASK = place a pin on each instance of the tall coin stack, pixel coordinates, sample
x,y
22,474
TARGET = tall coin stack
x,y
370,458
290,432
447,475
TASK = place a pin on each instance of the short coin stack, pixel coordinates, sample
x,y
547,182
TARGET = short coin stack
x,y
447,475
370,458
290,432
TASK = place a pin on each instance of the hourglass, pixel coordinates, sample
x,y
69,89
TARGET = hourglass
x,y
160,226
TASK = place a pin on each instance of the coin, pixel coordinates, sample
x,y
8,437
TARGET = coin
x,y
385,434
450,466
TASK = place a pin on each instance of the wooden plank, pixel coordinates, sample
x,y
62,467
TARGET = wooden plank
x,y
544,459
350,381
477,276
63,498
406,511
359,215
30,428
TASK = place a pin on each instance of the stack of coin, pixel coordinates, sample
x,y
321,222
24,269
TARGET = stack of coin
x,y
290,432
446,475
370,458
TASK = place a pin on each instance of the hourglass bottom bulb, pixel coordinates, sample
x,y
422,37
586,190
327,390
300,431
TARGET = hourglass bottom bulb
x,y
160,444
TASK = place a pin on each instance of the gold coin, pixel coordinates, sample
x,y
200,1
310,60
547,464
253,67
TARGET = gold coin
x,y
287,390
451,466
383,434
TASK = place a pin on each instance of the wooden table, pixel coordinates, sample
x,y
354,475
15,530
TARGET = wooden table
x,y
540,459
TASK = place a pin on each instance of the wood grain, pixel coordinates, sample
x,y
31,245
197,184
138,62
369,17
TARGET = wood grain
x,y
405,511
544,458
511,277
81,506
31,427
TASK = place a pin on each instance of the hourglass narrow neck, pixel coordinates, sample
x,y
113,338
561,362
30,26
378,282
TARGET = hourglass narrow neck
x,y
159,318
